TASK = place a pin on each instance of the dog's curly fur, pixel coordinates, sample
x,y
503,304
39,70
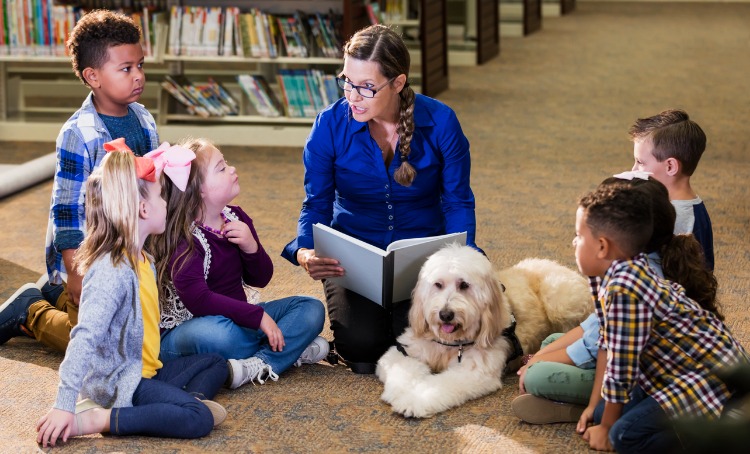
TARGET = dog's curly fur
x,y
459,299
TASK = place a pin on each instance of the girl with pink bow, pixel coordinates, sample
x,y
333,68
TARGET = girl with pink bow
x,y
207,258
112,360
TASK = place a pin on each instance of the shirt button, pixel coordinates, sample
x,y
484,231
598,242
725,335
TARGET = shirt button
x,y
390,217
390,207
390,227
386,186
387,195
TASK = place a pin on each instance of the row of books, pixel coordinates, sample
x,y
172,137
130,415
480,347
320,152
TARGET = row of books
x,y
217,31
301,93
42,27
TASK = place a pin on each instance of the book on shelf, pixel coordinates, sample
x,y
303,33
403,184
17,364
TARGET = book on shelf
x,y
260,95
383,276
226,31
373,12
204,100
42,27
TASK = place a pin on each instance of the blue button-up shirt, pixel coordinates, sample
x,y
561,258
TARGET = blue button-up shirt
x,y
348,187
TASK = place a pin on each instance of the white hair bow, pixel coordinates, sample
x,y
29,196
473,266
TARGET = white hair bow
x,y
630,174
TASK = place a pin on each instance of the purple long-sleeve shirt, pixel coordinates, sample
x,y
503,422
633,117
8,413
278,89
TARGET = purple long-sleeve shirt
x,y
221,292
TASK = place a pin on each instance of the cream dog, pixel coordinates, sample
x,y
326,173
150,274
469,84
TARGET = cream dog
x,y
461,321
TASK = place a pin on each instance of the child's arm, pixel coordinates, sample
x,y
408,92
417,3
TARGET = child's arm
x,y
258,267
67,207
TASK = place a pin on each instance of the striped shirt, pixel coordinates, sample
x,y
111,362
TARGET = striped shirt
x,y
80,149
658,338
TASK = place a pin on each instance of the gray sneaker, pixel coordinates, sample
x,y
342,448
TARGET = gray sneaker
x,y
249,370
315,352
217,411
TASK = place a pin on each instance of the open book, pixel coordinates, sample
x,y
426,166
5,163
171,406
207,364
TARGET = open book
x,y
382,276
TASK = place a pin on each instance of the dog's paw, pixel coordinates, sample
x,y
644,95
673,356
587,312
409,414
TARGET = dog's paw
x,y
412,408
386,363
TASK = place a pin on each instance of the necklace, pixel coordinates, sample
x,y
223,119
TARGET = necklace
x,y
386,150
212,230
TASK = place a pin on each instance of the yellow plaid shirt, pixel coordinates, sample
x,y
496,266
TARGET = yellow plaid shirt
x,y
660,339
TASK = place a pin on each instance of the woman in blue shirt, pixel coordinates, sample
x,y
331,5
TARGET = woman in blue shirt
x,y
381,164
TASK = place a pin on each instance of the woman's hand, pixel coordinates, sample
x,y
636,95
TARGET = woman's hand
x,y
318,267
239,233
55,424
272,331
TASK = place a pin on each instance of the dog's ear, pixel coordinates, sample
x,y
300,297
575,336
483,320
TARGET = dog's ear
x,y
417,321
493,318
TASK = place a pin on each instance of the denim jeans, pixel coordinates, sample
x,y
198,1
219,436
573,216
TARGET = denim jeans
x,y
299,318
167,405
643,426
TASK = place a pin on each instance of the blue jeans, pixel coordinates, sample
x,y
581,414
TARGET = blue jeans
x,y
167,405
299,318
643,426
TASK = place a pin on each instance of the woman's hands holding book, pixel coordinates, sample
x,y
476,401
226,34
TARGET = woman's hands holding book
x,y
318,267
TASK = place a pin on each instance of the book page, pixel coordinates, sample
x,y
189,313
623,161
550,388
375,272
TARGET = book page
x,y
362,262
408,257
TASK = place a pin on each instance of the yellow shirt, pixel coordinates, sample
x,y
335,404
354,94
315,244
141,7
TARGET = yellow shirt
x,y
151,316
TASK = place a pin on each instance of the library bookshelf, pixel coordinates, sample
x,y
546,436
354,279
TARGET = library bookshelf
x,y
37,93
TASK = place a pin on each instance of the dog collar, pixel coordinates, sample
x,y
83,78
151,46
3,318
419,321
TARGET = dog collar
x,y
460,346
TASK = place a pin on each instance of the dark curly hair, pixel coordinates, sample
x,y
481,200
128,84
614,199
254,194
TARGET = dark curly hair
x,y
625,211
94,34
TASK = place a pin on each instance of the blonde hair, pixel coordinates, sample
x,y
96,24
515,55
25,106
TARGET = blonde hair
x,y
113,194
382,45
183,208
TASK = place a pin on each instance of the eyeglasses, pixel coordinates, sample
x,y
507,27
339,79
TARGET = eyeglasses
x,y
365,92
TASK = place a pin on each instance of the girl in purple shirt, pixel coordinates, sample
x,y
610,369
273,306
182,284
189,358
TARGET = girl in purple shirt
x,y
207,259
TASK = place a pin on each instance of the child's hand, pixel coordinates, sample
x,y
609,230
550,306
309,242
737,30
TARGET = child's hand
x,y
272,331
55,424
239,233
598,438
587,417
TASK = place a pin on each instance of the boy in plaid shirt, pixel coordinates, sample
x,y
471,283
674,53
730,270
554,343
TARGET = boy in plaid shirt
x,y
107,57
659,349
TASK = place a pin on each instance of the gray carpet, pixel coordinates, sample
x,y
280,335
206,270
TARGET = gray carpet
x,y
547,121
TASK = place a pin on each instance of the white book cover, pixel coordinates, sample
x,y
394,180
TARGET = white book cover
x,y
383,276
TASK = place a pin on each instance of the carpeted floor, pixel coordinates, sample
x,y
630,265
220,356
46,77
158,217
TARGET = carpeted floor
x,y
547,120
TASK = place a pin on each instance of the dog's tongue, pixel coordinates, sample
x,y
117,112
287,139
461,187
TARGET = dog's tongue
x,y
447,328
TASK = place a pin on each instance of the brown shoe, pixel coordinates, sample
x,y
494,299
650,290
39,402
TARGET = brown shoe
x,y
537,410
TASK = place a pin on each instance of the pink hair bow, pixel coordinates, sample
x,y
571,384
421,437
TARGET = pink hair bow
x,y
174,161
631,174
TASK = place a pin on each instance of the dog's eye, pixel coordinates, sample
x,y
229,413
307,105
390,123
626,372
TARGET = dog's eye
x,y
463,285
438,285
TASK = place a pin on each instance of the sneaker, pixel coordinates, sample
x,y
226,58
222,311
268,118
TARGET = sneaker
x,y
315,352
217,411
14,311
249,370
538,410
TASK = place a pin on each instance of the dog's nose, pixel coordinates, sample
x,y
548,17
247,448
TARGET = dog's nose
x,y
446,315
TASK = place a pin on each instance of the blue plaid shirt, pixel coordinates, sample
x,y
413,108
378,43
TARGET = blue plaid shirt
x,y
80,149
660,339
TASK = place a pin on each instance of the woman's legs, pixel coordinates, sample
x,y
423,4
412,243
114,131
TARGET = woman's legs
x,y
362,329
